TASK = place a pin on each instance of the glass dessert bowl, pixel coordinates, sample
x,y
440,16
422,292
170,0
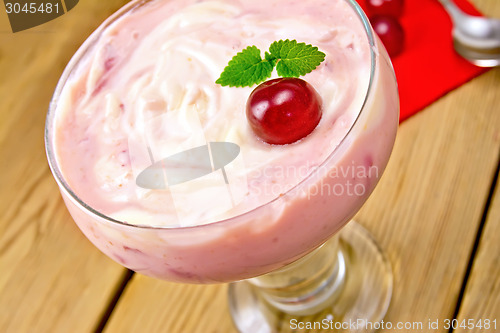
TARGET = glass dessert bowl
x,y
270,215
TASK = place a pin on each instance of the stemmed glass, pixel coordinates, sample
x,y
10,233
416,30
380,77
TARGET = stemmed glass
x,y
307,264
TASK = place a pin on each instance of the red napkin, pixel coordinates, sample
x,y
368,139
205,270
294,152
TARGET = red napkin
x,y
428,67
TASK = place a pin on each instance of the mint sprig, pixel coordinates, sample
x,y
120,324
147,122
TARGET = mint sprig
x,y
291,59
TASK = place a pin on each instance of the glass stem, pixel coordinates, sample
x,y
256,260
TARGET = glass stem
x,y
307,285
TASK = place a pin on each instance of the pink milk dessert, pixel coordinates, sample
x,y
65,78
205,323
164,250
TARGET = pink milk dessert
x,y
142,89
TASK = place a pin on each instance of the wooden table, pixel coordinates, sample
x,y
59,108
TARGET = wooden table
x,y
436,212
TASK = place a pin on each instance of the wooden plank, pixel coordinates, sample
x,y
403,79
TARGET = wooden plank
x,y
151,305
481,299
51,278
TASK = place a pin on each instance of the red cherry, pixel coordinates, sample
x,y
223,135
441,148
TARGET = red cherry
x,y
390,32
283,110
385,7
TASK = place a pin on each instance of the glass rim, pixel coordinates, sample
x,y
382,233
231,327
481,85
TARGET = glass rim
x,y
89,42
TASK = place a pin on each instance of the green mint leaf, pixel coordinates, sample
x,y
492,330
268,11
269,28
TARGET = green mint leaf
x,y
295,59
291,59
246,69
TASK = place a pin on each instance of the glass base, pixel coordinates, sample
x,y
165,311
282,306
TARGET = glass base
x,y
359,305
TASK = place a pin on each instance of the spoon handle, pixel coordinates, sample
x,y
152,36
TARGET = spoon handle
x,y
452,9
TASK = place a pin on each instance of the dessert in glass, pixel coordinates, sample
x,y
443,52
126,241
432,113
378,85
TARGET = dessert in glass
x,y
163,171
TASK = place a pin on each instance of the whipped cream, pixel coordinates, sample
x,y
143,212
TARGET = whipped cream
x,y
147,90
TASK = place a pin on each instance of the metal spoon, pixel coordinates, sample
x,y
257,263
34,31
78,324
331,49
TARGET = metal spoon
x,y
477,39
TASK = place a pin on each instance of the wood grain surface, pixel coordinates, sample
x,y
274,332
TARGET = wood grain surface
x,y
51,278
482,294
431,212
